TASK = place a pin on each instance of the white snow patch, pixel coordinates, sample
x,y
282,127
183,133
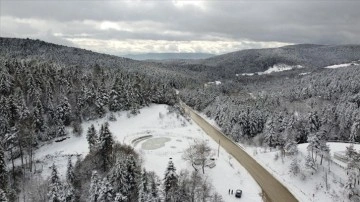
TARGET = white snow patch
x,y
247,74
280,68
275,68
304,73
341,65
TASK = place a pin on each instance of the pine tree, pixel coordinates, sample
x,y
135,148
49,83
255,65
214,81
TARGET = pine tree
x,y
117,179
355,130
350,151
3,172
324,149
39,122
69,193
106,142
294,167
351,177
270,133
95,185
170,182
60,129
144,190
310,163
63,111
92,138
132,176
55,192
106,191
314,144
154,191
119,197
6,83
3,196
70,175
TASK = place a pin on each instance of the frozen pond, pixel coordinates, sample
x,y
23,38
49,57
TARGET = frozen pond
x,y
154,143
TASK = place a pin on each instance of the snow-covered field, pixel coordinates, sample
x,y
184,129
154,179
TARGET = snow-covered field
x,y
275,68
342,65
166,136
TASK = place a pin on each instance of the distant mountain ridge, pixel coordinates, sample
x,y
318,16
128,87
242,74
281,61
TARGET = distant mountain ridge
x,y
306,55
30,49
168,56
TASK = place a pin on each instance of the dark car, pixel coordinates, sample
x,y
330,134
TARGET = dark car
x,y
238,193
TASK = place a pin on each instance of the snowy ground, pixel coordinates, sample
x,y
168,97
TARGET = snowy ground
x,y
275,68
313,186
305,186
342,65
165,136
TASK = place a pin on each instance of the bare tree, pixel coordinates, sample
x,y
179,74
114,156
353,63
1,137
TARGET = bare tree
x,y
199,153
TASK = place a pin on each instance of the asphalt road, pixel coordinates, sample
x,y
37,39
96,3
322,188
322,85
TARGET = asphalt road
x,y
272,189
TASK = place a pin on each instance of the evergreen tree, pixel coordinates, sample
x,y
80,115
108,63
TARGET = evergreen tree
x,y
154,189
92,138
70,175
3,172
350,151
117,179
3,196
294,167
170,182
355,130
69,193
106,191
39,122
350,185
144,190
115,102
106,142
63,111
324,149
314,144
119,197
270,133
6,83
132,177
60,129
55,192
310,163
95,186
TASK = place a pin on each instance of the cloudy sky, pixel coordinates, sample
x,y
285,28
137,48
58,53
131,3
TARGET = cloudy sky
x,y
214,26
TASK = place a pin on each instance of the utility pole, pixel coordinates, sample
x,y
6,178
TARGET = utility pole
x,y
219,148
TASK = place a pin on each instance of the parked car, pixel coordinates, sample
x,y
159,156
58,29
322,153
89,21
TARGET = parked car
x,y
238,193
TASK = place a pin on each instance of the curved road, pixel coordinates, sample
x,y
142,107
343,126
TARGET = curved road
x,y
273,190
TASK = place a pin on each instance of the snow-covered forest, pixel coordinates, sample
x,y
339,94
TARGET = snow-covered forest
x,y
48,90
282,110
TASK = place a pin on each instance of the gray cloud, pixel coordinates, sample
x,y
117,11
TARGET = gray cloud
x,y
245,23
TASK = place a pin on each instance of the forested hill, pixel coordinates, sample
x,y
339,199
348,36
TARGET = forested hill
x,y
69,56
259,60
168,56
46,87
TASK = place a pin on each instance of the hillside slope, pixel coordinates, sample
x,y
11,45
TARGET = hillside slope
x,y
69,56
306,55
